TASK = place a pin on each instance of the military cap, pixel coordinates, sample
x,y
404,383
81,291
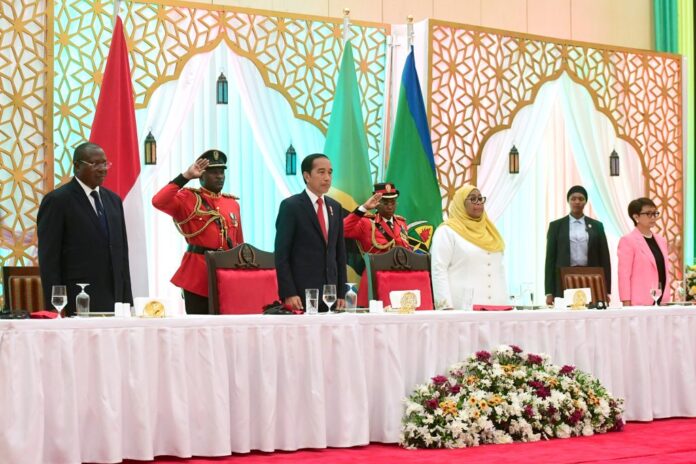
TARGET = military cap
x,y
387,189
216,159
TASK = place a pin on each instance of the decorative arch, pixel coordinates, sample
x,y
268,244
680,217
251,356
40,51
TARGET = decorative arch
x,y
296,55
480,78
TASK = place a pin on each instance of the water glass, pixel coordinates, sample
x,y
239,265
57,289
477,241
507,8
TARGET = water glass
x,y
351,298
329,295
312,301
59,298
82,301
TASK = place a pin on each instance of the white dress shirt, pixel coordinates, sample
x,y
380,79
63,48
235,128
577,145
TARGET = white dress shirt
x,y
579,239
88,191
314,199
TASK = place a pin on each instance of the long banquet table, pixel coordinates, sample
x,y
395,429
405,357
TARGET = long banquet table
x,y
103,390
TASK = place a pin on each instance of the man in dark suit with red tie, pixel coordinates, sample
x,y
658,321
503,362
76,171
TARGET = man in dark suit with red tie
x,y
82,236
309,245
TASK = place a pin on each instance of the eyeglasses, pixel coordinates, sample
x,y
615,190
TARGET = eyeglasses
x,y
98,164
476,200
652,214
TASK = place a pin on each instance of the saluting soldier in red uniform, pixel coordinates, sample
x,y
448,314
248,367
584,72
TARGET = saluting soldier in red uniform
x,y
376,233
208,220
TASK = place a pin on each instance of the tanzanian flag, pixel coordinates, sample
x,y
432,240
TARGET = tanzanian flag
x,y
346,147
411,162
346,142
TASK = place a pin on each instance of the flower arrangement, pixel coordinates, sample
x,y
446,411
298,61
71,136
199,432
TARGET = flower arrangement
x,y
690,278
504,396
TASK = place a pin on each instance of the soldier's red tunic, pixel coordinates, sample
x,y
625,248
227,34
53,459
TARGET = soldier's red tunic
x,y
374,236
199,224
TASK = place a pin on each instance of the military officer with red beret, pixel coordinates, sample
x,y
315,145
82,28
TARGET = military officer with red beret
x,y
207,218
376,233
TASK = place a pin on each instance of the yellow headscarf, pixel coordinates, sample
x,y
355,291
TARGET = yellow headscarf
x,y
481,232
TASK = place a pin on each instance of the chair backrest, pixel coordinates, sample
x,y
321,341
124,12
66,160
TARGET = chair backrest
x,y
399,269
241,280
585,277
22,288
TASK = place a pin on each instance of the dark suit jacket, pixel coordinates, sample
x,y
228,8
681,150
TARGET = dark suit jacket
x,y
558,252
302,258
73,249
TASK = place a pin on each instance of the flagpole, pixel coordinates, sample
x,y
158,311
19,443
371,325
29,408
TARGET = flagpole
x,y
346,25
409,32
117,9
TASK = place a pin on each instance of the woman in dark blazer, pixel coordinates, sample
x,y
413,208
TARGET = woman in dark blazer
x,y
574,240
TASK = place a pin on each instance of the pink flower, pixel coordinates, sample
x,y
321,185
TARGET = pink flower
x,y
483,356
455,389
439,379
431,403
534,359
566,370
516,349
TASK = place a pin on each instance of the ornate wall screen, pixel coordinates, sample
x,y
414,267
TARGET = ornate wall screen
x,y
296,55
26,123
480,78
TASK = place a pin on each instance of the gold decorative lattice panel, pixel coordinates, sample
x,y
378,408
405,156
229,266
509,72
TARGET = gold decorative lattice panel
x,y
296,55
481,78
26,55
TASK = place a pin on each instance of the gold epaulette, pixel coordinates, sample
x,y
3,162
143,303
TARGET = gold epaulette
x,y
396,216
370,215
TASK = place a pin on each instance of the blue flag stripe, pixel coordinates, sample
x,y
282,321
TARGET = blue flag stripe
x,y
410,83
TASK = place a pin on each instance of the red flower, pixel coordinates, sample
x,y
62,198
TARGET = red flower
x,y
431,404
534,359
483,356
516,349
566,370
575,417
455,389
528,410
439,379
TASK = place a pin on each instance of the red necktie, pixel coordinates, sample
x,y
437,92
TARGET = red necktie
x,y
320,217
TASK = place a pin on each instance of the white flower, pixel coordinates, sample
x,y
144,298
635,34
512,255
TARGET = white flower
x,y
413,407
503,349
563,431
587,430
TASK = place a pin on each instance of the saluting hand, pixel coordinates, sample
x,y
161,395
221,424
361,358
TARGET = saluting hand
x,y
372,202
196,170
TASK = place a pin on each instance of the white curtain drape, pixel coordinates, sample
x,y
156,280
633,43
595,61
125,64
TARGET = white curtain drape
x,y
563,140
254,129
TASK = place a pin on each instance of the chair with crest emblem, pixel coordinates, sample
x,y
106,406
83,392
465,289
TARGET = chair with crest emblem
x,y
400,269
241,280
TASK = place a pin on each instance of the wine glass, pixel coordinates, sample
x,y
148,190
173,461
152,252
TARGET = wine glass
x,y
59,298
82,301
328,294
656,292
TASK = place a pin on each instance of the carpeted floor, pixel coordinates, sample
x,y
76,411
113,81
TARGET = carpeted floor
x,y
662,441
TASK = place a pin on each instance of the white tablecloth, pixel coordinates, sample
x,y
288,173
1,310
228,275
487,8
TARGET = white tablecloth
x,y
103,390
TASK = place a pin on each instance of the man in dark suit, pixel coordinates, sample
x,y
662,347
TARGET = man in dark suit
x,y
309,245
574,240
82,236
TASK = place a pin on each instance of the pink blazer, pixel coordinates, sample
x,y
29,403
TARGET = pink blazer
x,y
638,271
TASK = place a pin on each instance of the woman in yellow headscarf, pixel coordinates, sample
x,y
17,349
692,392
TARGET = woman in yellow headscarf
x,y
467,255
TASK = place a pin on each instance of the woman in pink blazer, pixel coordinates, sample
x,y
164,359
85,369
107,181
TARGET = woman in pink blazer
x,y
643,257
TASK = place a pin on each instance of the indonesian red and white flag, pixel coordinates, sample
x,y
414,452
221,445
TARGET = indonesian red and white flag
x,y
114,129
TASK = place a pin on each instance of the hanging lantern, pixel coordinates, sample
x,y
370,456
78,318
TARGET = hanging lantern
x,y
614,164
290,161
514,160
221,93
150,149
